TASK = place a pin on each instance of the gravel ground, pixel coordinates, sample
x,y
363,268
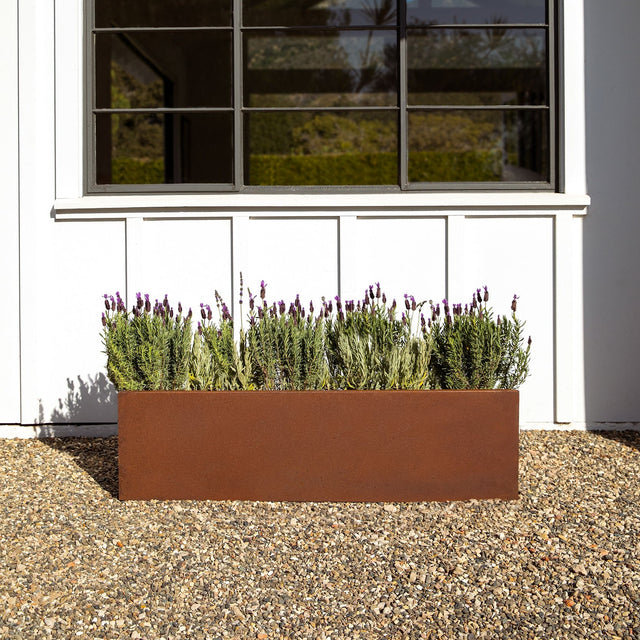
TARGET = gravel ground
x,y
563,561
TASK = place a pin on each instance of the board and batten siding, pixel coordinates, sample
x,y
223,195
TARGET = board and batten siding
x,y
71,249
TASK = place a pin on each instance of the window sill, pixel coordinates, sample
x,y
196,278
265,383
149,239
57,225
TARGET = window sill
x,y
121,207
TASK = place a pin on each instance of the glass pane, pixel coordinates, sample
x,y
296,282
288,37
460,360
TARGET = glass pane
x,y
430,12
477,66
479,146
163,69
307,13
162,13
320,69
307,148
155,148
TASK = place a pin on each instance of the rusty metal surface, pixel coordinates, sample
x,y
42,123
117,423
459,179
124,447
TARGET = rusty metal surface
x,y
372,446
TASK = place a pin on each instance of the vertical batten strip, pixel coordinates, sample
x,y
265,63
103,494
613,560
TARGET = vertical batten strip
x,y
133,249
455,266
347,256
563,307
239,262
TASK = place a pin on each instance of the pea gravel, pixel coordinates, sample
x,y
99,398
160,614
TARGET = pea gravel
x,y
563,561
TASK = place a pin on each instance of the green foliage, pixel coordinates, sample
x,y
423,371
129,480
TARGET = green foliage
x,y
369,348
375,168
357,345
342,169
137,171
284,348
216,363
474,351
146,350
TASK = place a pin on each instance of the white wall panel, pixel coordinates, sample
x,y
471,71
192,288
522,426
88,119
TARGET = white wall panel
x,y
185,259
9,239
295,256
515,256
405,255
79,263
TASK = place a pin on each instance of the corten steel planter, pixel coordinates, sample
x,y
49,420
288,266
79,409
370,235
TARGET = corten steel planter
x,y
371,446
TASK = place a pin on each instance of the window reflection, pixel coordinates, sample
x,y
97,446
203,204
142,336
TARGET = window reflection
x,y
306,148
157,148
162,13
488,66
311,69
330,13
433,12
478,146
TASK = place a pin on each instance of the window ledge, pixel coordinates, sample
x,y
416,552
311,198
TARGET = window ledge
x,y
309,204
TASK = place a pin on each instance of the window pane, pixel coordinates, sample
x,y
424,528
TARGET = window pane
x,y
332,13
429,12
478,146
307,148
320,69
162,13
477,66
155,148
163,69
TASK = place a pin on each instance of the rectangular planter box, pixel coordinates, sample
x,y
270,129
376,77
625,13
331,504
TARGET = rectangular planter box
x,y
371,446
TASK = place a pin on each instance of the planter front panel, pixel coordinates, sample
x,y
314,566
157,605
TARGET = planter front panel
x,y
318,445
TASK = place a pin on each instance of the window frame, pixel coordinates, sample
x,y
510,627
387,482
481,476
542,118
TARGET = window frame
x,y
403,109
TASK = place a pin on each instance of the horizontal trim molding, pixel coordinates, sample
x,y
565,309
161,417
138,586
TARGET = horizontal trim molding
x,y
313,204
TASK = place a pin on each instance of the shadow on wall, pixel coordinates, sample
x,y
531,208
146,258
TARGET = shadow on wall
x,y
611,259
92,401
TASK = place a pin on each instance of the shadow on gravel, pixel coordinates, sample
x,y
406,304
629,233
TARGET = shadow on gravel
x,y
629,438
96,456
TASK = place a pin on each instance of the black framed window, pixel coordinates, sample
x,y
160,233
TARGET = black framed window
x,y
242,95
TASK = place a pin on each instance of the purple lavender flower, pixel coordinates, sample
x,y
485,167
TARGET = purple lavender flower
x,y
203,313
263,289
104,320
486,294
378,291
446,306
514,303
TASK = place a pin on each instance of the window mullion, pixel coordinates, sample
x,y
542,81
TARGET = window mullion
x,y
238,138
403,148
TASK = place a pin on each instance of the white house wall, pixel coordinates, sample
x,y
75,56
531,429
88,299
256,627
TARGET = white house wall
x,y
72,249
9,220
612,229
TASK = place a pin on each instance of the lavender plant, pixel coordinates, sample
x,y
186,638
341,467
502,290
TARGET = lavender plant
x,y
352,345
147,348
216,362
284,347
472,350
369,348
